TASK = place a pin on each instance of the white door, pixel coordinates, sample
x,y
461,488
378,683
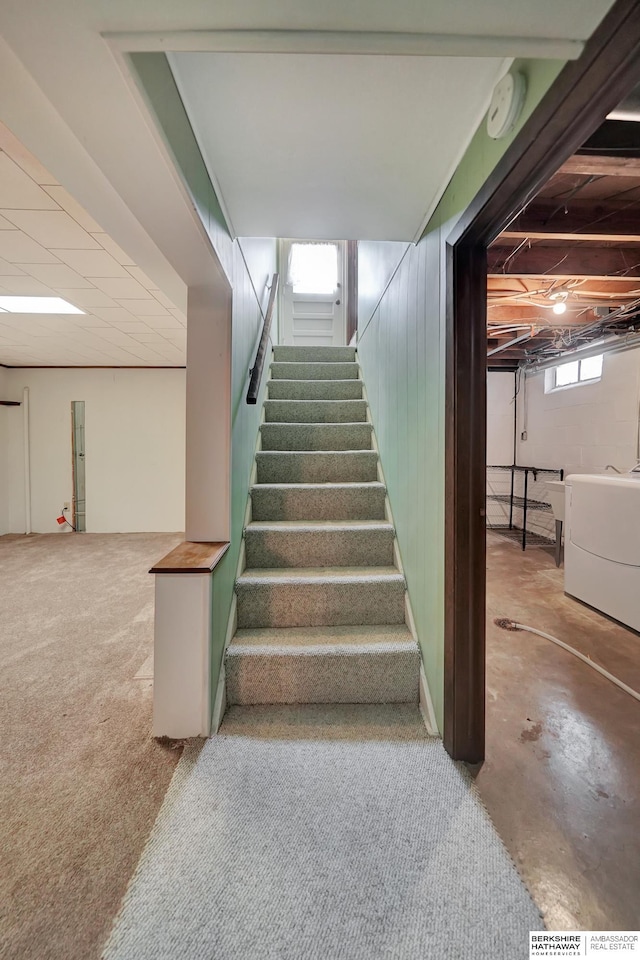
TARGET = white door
x,y
313,302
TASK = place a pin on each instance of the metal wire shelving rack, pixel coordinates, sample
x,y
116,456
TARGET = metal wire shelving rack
x,y
512,502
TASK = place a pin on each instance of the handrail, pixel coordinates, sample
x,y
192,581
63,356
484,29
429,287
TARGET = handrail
x,y
256,370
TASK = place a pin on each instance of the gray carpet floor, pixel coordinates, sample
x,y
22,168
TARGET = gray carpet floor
x,y
81,778
314,833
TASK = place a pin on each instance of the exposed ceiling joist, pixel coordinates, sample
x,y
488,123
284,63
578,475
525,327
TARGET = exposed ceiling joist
x,y
602,166
584,220
587,261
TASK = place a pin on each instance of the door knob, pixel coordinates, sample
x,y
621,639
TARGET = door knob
x,y
337,303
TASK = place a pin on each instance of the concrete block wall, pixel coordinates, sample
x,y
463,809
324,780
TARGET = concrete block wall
x,y
579,429
585,427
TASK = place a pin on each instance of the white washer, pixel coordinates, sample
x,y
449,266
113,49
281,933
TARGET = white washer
x,y
602,543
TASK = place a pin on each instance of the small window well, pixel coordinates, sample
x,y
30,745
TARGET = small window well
x,y
574,372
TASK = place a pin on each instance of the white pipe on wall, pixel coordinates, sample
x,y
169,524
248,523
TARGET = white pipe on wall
x,y
27,460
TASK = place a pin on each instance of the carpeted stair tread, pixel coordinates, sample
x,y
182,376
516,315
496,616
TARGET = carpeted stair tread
x,y
318,501
336,466
324,354
309,544
315,411
314,371
309,639
353,670
321,575
316,436
317,596
315,389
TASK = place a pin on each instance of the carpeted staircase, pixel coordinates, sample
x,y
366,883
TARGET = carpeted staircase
x,y
321,604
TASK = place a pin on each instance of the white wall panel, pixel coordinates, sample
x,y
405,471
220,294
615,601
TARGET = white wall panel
x,y
134,448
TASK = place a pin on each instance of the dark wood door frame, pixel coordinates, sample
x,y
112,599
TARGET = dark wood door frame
x,y
584,93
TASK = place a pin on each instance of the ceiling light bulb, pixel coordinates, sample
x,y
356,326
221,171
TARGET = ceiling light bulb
x,y
559,307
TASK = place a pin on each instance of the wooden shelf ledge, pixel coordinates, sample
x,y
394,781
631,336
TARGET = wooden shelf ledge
x,y
192,557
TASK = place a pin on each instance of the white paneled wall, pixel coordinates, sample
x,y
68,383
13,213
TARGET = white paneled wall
x,y
583,428
501,388
135,456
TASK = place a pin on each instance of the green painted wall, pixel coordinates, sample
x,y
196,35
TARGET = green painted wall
x,y
249,265
483,153
402,352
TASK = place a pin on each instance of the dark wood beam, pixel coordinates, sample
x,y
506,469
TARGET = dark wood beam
x,y
566,262
585,220
601,166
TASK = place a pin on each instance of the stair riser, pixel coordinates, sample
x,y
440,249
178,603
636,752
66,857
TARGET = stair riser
x,y
314,354
319,604
315,371
359,467
315,389
319,548
317,504
325,678
321,436
315,411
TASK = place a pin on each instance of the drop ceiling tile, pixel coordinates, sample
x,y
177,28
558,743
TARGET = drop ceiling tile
x,y
86,298
117,337
146,337
9,270
136,327
73,208
5,225
165,323
27,287
112,247
92,263
54,229
141,277
89,320
115,314
162,298
18,191
57,275
17,247
144,308
117,288
9,334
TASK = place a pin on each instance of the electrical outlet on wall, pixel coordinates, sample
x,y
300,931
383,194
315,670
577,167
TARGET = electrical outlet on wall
x,y
67,505
523,435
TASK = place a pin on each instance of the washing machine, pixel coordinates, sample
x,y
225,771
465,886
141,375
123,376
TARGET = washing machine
x,y
602,543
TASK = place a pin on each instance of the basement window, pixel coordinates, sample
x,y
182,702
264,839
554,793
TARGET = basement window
x,y
574,373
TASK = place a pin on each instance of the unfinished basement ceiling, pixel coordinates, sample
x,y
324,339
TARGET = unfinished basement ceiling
x,y
576,243
50,246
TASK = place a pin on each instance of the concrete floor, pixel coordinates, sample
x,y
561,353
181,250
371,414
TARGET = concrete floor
x,y
562,775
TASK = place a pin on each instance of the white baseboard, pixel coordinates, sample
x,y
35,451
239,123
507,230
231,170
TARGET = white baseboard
x,y
220,704
426,706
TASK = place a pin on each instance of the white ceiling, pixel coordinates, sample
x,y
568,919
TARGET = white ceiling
x,y
349,147
50,246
